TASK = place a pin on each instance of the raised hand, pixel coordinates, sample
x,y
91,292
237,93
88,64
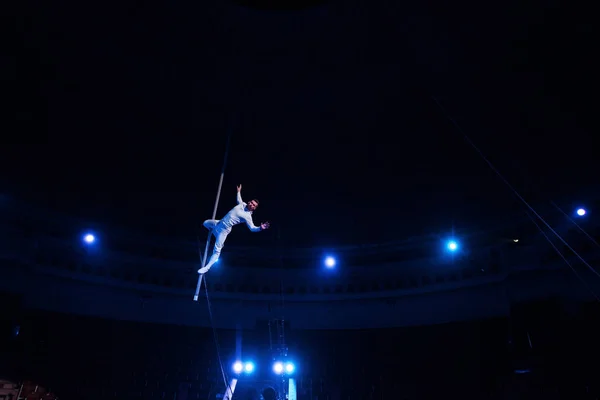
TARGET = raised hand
x,y
239,187
265,225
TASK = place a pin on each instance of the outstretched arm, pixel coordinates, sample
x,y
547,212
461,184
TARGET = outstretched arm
x,y
239,194
262,227
251,226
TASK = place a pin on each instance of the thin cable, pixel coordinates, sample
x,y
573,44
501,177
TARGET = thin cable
x,y
575,223
283,344
199,249
214,331
564,258
507,183
281,290
199,284
214,214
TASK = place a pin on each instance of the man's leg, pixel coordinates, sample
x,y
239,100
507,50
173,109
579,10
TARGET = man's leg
x,y
220,237
210,223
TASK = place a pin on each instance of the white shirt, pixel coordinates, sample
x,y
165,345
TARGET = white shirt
x,y
237,215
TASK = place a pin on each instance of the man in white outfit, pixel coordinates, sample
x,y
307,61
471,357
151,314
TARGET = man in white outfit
x,y
220,229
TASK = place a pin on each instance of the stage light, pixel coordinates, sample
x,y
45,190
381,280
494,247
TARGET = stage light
x,y
289,368
249,368
243,367
516,240
281,368
452,245
330,262
581,212
89,238
278,368
238,367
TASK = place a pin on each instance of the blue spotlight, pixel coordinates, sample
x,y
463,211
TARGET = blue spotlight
x,y
249,368
452,245
278,368
283,368
246,367
238,367
289,368
581,212
89,238
329,262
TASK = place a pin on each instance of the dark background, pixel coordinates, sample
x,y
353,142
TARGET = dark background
x,y
122,113
81,357
123,110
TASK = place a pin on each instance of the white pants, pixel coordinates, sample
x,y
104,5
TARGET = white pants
x,y
220,235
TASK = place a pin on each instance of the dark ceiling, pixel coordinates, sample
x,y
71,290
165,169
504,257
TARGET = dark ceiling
x,y
123,110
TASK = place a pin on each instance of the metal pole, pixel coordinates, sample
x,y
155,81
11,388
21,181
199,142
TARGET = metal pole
x,y
214,214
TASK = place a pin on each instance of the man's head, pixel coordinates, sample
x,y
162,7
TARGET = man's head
x,y
269,394
252,205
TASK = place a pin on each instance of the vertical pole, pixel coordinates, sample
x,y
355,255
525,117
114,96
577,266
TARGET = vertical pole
x,y
214,214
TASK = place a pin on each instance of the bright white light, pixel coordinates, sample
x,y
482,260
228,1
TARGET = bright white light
x,y
249,367
329,262
452,245
89,238
289,368
278,368
581,212
516,240
237,367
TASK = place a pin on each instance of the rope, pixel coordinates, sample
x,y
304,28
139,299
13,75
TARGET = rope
x,y
564,258
199,284
511,187
216,339
576,224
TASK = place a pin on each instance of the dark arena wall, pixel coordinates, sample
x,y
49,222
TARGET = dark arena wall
x,y
505,322
95,358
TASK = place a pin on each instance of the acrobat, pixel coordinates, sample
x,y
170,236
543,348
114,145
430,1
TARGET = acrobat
x,y
220,229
